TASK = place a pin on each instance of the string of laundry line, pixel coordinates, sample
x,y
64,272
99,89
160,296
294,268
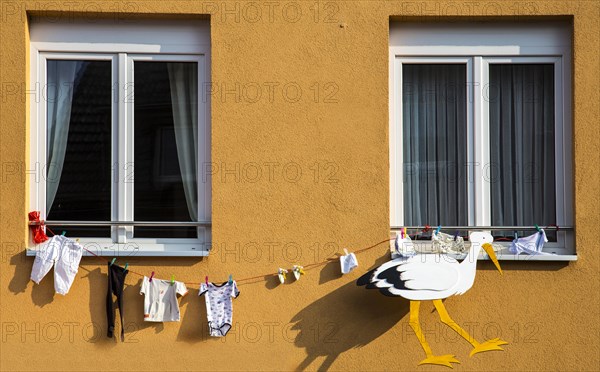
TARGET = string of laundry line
x,y
253,279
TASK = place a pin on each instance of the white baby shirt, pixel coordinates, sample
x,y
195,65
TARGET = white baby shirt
x,y
348,262
160,303
219,306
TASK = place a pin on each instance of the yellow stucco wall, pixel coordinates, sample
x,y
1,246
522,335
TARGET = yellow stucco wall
x,y
548,312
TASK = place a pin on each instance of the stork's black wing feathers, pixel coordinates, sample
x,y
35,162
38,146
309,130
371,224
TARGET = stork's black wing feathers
x,y
389,275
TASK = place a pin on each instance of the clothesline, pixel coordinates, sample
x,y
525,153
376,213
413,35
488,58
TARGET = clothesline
x,y
254,279
249,280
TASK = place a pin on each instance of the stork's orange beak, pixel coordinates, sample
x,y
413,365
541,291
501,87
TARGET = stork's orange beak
x,y
487,247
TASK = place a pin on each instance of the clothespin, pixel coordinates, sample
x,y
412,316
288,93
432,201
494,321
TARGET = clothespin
x,y
540,235
64,233
404,231
516,236
172,279
402,234
113,261
346,251
206,280
437,231
281,274
151,276
230,279
126,264
455,235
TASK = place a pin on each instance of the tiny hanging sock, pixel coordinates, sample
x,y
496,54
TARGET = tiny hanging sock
x,y
348,262
298,271
281,274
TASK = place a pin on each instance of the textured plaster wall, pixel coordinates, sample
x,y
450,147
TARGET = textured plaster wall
x,y
547,312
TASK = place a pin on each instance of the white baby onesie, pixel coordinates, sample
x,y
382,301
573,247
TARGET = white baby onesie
x,y
160,303
219,306
62,253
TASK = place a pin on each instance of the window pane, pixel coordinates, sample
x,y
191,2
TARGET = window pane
x,y
78,179
522,145
166,146
434,129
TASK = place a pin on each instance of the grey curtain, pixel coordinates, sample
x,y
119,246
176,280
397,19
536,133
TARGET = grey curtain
x,y
434,127
521,99
183,79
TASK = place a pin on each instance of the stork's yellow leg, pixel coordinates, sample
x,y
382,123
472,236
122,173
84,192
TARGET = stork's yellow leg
x,y
443,360
493,344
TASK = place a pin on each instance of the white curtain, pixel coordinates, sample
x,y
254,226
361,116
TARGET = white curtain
x,y
434,129
61,76
522,144
183,79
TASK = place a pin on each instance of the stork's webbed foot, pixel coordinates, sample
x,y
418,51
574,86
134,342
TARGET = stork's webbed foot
x,y
493,344
442,360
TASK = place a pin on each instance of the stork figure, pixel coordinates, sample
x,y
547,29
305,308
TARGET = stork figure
x,y
434,277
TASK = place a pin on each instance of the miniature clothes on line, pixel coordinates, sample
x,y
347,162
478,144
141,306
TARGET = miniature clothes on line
x,y
160,302
446,243
116,282
219,306
348,262
62,253
404,246
532,244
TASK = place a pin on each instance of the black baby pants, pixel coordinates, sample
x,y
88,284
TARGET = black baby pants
x,y
116,282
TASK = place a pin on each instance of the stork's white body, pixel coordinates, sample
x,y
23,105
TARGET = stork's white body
x,y
434,276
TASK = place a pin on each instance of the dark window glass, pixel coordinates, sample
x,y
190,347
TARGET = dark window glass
x,y
78,169
166,147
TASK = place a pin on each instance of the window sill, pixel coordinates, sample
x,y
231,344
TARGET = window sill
x,y
125,250
505,255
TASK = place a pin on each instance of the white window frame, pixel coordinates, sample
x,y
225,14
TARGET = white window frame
x,y
477,46
166,41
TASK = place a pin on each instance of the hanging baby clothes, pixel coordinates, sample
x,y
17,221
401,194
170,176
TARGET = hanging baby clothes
x,y
62,253
116,282
160,303
531,244
348,262
219,306
403,246
446,243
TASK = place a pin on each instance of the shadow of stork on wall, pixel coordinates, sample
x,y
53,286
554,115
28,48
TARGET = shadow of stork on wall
x,y
346,318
